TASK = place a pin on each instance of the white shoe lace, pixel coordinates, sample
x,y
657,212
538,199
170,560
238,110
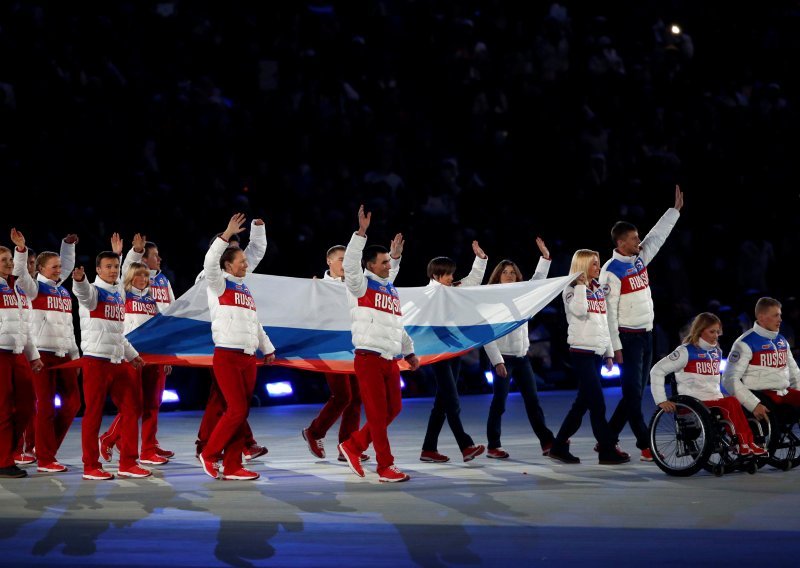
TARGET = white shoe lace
x,y
320,444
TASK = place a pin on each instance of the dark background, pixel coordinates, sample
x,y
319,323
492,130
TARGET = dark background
x,y
451,120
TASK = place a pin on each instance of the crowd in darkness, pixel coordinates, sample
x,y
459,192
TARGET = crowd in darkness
x,y
452,120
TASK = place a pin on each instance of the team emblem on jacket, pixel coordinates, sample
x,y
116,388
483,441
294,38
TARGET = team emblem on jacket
x,y
606,289
570,296
675,355
734,356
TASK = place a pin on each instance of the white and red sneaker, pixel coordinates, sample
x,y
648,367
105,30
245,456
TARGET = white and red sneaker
x,y
392,474
316,447
152,458
98,474
433,457
165,453
106,450
353,459
134,471
210,467
54,467
253,452
471,452
24,458
364,457
241,474
757,450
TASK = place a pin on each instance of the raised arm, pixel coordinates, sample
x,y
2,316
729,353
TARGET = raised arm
x,y
354,277
67,254
657,236
83,290
24,280
257,247
213,271
475,276
543,266
395,255
134,255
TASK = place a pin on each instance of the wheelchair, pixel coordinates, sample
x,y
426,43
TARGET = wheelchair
x,y
696,437
783,445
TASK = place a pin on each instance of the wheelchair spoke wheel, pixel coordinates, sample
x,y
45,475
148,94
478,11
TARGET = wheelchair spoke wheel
x,y
681,440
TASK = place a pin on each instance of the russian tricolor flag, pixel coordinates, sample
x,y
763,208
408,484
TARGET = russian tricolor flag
x,y
308,320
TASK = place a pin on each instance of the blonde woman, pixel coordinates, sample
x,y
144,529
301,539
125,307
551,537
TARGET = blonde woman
x,y
589,348
696,367
140,307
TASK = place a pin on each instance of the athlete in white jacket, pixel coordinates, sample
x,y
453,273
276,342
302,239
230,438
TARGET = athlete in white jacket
x,y
379,340
53,333
761,371
446,405
509,358
106,368
238,335
589,347
626,284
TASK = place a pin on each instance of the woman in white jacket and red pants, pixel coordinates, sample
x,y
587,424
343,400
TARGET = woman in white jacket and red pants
x,y
237,335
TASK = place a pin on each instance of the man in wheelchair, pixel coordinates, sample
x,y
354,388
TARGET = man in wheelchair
x,y
761,371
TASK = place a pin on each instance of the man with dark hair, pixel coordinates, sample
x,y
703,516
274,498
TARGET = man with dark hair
x,y
345,399
109,363
379,339
761,371
626,285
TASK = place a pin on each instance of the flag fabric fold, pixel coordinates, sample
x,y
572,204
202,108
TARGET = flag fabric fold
x,y
308,320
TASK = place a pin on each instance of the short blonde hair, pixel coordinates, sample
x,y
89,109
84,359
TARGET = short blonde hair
x,y
134,270
581,261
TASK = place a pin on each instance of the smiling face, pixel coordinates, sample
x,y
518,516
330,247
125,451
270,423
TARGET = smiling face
x,y
629,244
141,279
238,266
381,265
593,270
6,264
108,270
51,269
152,259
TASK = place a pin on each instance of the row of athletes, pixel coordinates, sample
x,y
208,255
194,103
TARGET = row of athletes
x,y
591,311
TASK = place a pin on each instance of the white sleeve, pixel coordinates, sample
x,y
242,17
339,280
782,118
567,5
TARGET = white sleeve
x,y
672,363
130,352
171,293
394,268
655,239
213,273
130,258
475,276
611,288
735,368
354,277
257,247
542,269
24,280
67,255
575,301
493,353
85,292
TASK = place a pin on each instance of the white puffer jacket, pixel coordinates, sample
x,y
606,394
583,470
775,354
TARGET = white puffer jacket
x,y
51,311
627,285
587,321
760,360
516,343
374,307
140,307
234,319
696,369
102,311
14,315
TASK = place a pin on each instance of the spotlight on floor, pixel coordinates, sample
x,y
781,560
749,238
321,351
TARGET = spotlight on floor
x,y
279,389
170,396
612,374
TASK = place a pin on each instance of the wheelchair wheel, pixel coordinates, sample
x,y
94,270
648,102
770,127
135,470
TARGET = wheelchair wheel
x,y
724,455
784,443
681,441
